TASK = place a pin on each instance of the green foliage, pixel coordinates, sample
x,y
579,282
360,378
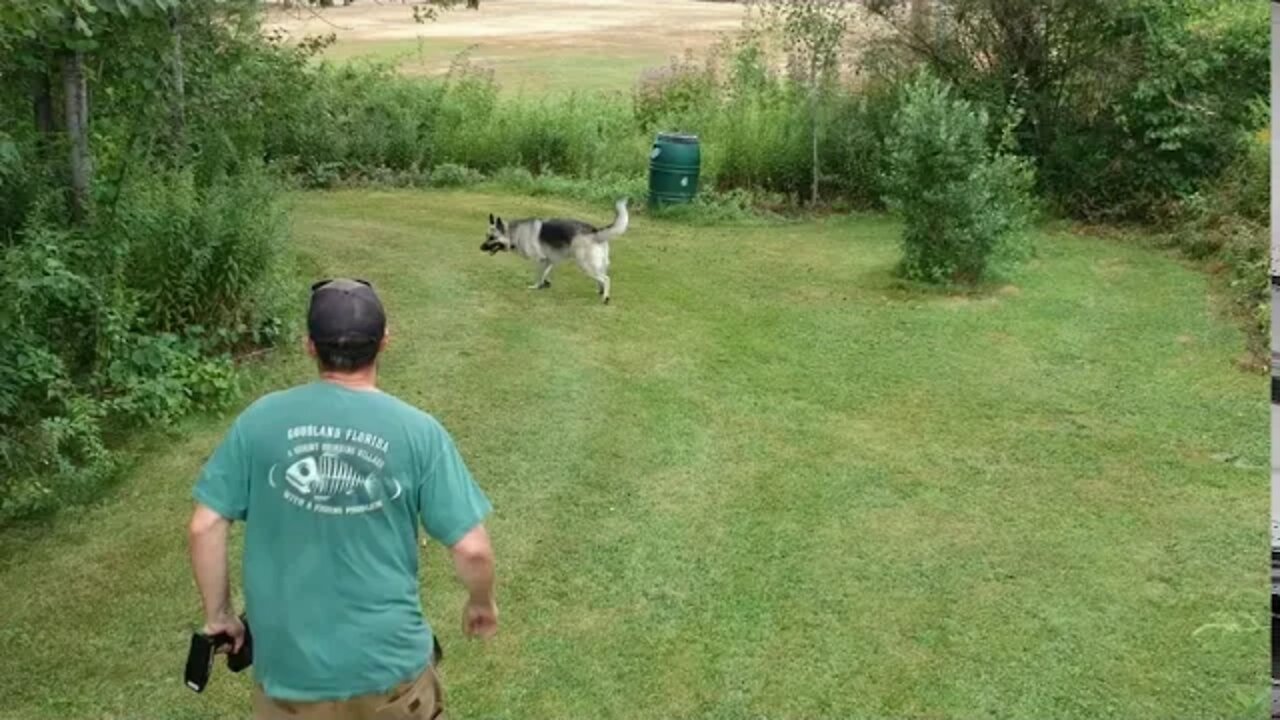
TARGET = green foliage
x,y
964,207
360,123
756,123
356,119
668,98
767,145
131,318
128,323
813,33
195,253
714,208
349,118
1228,227
451,175
163,377
854,149
602,190
1127,106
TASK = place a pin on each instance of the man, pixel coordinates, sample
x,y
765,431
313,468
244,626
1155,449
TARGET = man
x,y
331,479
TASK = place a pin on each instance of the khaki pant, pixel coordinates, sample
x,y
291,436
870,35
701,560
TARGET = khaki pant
x,y
420,699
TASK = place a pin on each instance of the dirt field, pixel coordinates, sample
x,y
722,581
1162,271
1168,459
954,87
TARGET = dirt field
x,y
531,44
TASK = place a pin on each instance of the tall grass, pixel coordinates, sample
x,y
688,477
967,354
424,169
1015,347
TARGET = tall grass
x,y
126,322
362,122
1228,227
359,119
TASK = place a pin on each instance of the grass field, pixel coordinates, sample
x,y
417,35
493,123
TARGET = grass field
x,y
765,482
518,70
532,46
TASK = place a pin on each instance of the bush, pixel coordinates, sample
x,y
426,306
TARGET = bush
x,y
1129,106
677,96
1228,227
855,150
603,190
126,323
129,314
51,446
197,256
363,122
964,207
357,116
451,175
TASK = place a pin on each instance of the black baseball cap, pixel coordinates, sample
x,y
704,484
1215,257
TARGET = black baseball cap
x,y
345,312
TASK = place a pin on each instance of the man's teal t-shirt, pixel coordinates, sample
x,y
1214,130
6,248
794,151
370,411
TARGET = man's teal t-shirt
x,y
331,484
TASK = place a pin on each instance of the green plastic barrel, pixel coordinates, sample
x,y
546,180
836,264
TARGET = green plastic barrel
x,y
674,164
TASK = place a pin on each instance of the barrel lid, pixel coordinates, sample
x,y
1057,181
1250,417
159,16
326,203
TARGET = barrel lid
x,y
681,138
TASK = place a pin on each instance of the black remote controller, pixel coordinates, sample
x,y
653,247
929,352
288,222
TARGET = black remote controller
x,y
204,647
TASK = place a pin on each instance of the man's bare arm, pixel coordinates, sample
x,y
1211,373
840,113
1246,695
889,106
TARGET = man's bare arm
x,y
207,537
473,561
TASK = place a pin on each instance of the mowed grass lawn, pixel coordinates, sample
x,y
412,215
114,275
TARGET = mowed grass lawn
x,y
765,482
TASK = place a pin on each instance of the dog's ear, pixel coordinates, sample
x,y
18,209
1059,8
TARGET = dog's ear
x,y
491,219
502,227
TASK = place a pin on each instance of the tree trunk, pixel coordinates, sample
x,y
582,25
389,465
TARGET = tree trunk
x,y
77,122
813,119
43,115
179,94
42,103
813,200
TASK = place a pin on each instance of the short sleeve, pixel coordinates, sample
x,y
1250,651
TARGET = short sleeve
x,y
223,485
450,502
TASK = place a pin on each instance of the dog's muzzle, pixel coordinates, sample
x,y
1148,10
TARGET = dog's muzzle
x,y
493,248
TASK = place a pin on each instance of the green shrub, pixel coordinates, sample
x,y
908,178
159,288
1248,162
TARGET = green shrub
x,y
760,138
126,323
129,315
164,377
516,179
1228,226
51,447
714,207
358,115
197,255
57,460
362,123
451,175
964,207
854,153
678,96
17,186
1129,106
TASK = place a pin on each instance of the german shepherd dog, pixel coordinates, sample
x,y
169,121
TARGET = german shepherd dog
x,y
551,241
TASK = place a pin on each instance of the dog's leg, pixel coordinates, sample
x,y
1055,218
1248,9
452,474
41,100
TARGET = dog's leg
x,y
601,286
595,265
603,279
602,282
540,276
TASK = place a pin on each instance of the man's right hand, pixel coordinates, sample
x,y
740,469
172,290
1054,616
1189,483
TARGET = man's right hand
x,y
229,625
480,619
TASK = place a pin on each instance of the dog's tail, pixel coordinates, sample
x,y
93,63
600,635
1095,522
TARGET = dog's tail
x,y
619,224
